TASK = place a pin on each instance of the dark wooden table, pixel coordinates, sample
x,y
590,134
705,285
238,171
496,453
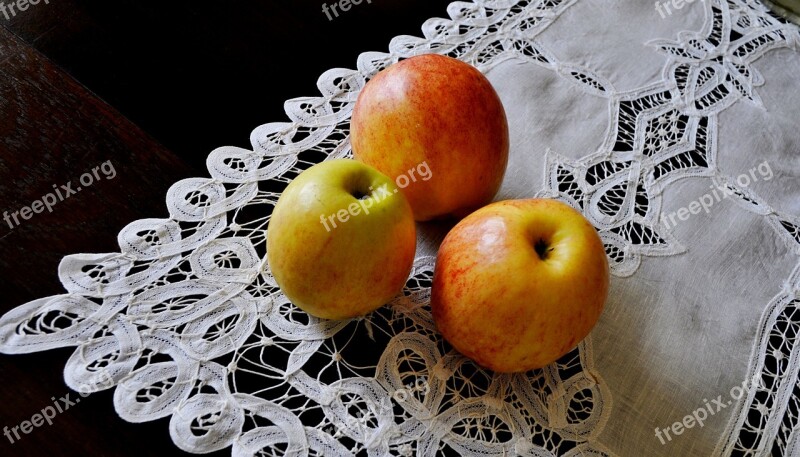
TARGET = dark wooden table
x,y
152,87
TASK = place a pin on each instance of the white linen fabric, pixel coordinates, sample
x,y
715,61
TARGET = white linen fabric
x,y
673,130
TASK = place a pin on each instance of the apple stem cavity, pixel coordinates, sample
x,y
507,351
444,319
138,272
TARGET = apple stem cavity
x,y
358,195
542,249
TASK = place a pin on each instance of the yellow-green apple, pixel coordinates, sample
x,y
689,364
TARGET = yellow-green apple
x,y
437,110
519,283
341,240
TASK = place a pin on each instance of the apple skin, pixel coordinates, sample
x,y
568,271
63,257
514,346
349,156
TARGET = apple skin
x,y
354,268
442,111
499,303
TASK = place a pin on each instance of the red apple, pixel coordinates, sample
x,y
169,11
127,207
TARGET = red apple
x,y
519,283
438,111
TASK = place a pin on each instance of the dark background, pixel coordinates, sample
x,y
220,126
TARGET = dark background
x,y
153,87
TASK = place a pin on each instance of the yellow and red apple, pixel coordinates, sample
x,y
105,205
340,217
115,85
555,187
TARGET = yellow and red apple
x,y
437,110
519,283
341,240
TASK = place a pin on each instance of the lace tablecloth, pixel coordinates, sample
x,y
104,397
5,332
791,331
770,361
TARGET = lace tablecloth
x,y
673,128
